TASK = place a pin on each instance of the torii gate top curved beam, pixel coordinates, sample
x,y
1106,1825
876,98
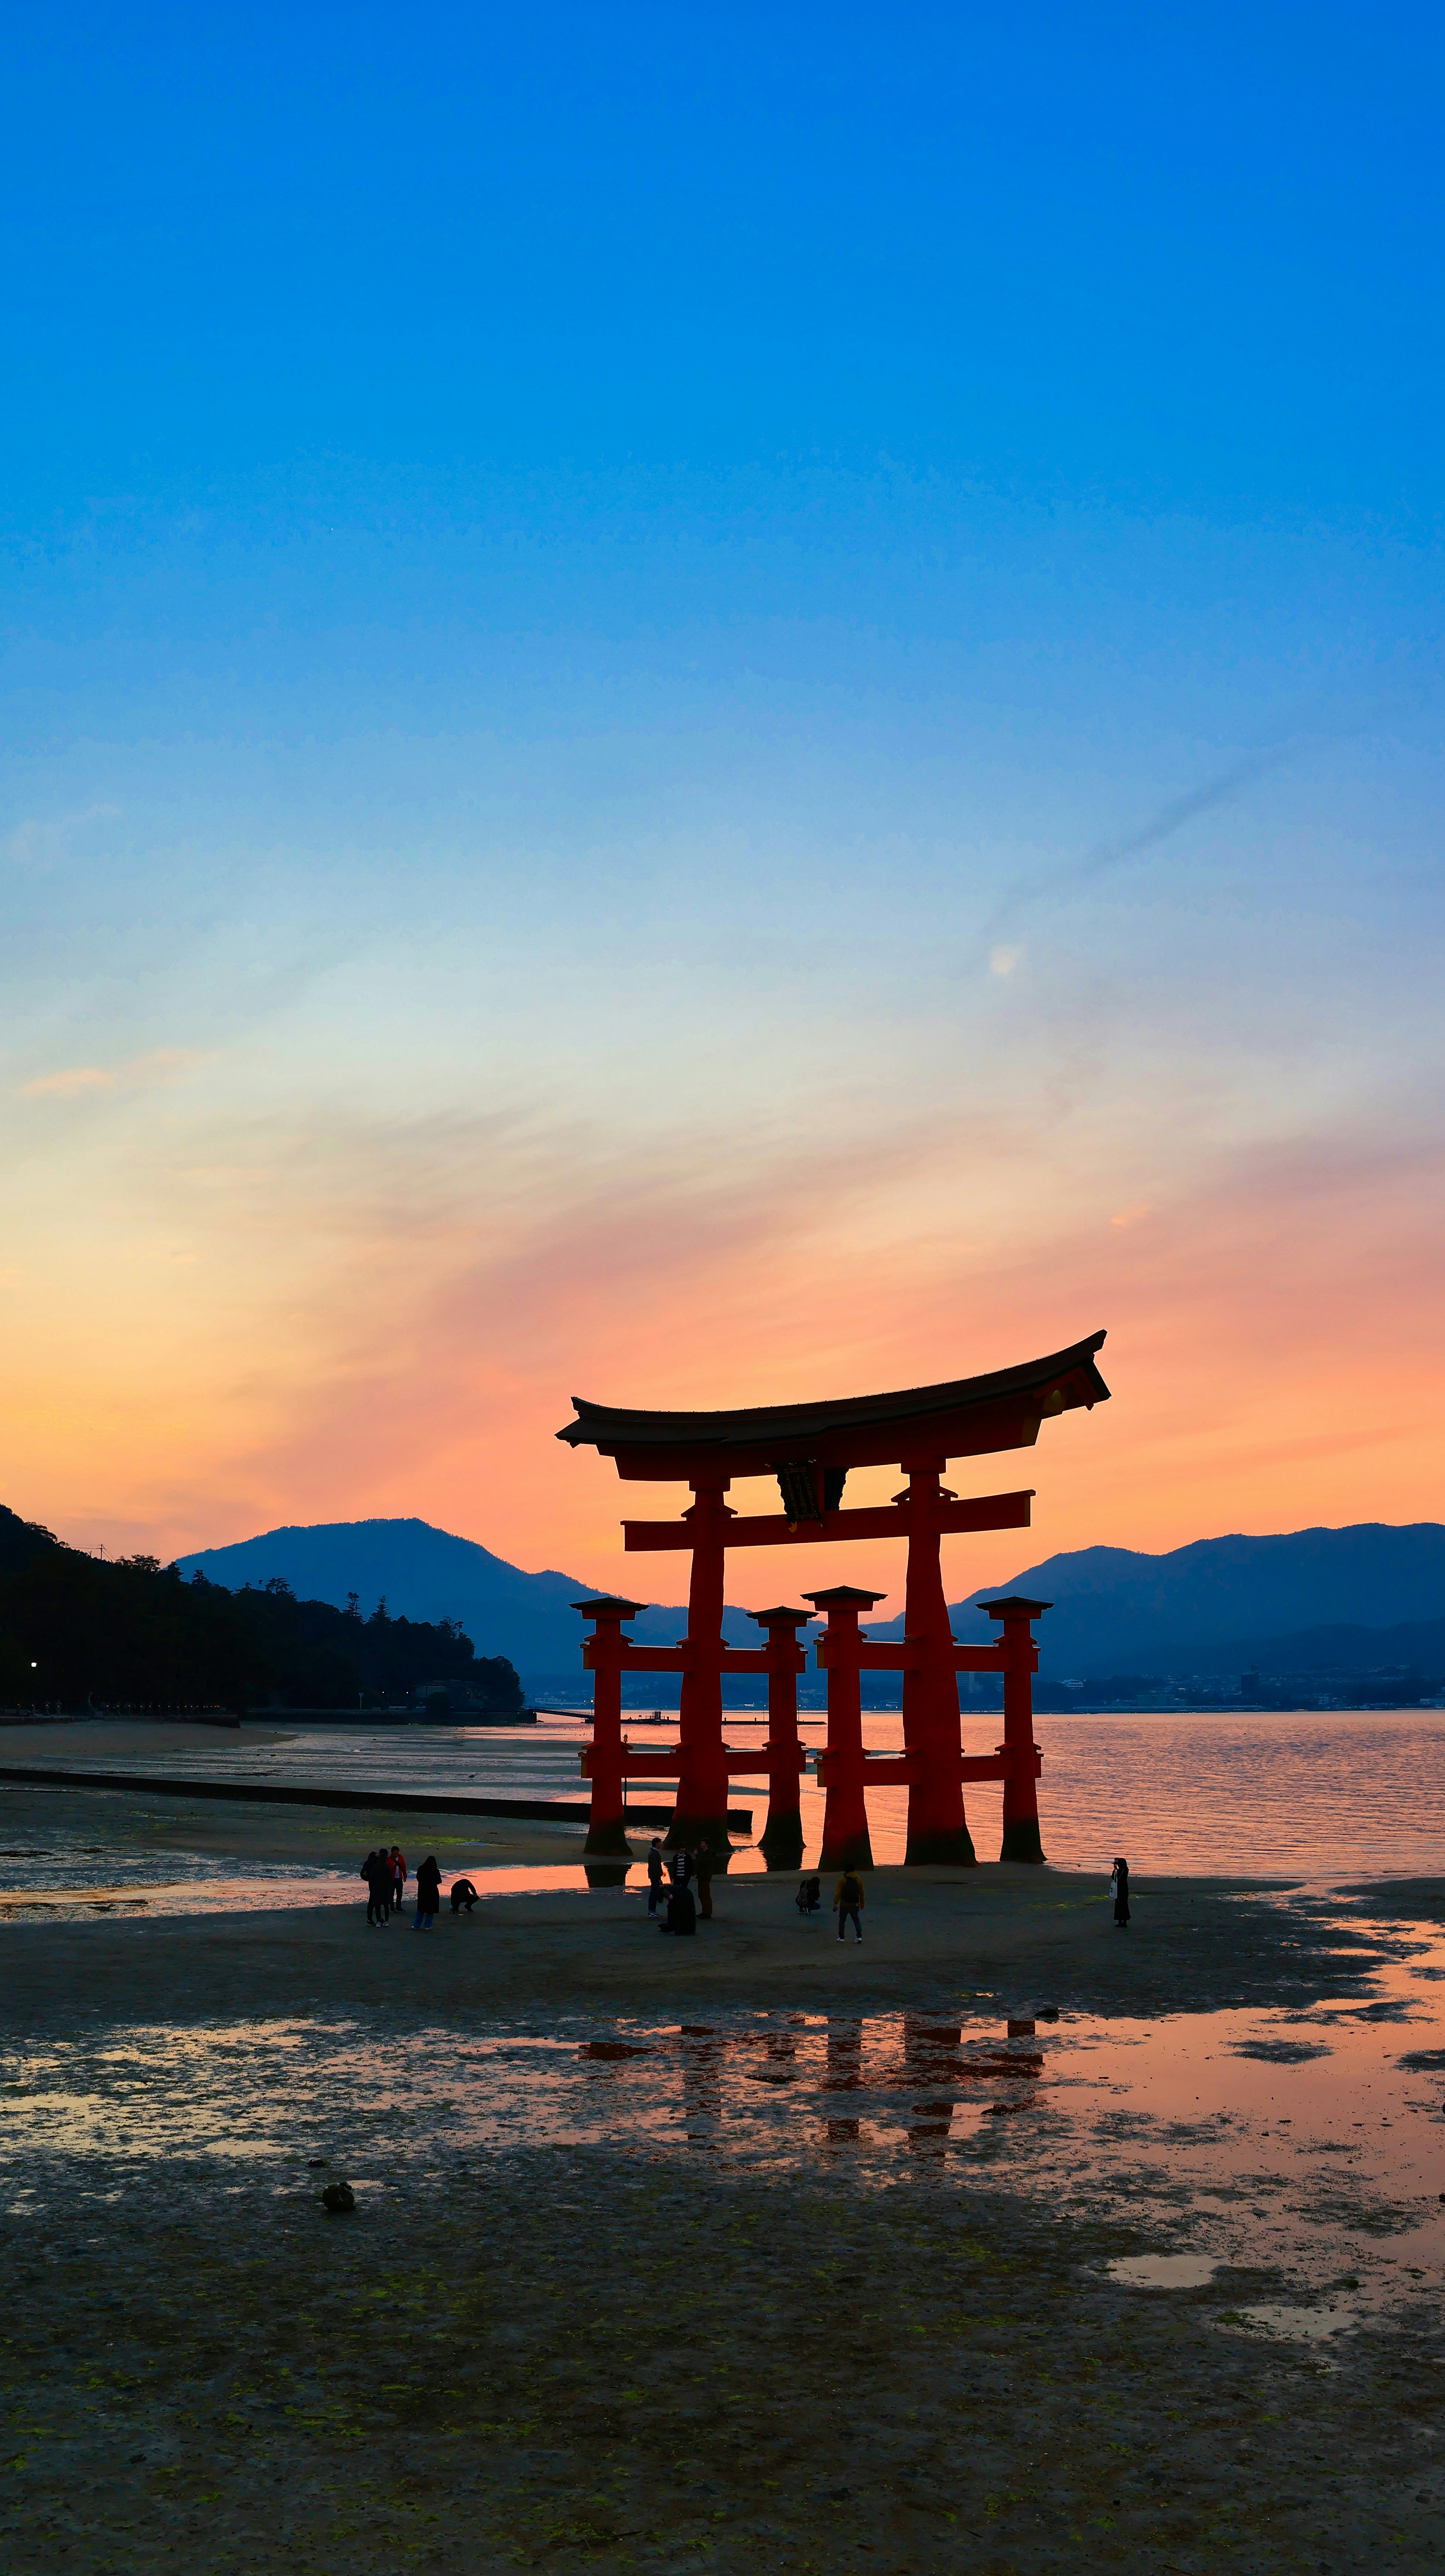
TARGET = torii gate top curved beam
x,y
962,1419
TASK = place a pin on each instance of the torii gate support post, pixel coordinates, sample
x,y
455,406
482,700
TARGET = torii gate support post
x,y
846,1842
602,1655
1020,1654
782,1839
702,1789
932,1719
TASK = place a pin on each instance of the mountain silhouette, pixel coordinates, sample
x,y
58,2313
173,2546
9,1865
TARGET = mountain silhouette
x,y
1210,1607
427,1573
1205,1607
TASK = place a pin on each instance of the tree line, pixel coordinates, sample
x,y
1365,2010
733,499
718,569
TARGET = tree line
x,y
78,1631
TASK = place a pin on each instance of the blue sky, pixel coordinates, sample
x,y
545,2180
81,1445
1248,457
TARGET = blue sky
x,y
686,705
1186,259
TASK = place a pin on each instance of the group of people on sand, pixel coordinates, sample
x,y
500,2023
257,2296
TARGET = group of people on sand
x,y
386,1874
671,1877
680,1870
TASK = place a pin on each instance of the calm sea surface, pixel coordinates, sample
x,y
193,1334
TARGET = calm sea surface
x,y
1351,1793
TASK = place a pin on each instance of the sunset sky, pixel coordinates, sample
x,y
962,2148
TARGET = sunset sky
x,y
706,707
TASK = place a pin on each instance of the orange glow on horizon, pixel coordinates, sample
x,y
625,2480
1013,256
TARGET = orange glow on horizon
x,y
1245,1395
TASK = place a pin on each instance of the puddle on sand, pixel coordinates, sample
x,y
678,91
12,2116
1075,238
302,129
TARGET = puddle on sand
x,y
277,1890
1162,2271
1304,2148
61,1885
1297,2325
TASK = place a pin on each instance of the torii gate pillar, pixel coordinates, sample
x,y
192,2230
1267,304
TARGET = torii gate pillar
x,y
603,1655
702,1789
847,1843
1021,1661
782,1839
937,1827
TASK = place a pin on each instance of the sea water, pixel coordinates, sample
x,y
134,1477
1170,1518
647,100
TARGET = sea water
x,y
1348,1793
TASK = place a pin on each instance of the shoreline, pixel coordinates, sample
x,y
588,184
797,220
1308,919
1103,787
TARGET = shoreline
x,y
267,1793
750,2206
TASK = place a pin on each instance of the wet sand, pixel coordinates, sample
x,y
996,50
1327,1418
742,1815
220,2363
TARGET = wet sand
x,y
149,1842
485,2368
1042,1936
1195,1944
85,1739
592,2338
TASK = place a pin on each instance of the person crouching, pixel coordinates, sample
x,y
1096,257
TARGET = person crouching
x,y
681,1911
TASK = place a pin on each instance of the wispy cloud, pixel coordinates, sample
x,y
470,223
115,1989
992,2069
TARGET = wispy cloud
x,y
1324,728
77,1081
1161,826
69,1085
41,837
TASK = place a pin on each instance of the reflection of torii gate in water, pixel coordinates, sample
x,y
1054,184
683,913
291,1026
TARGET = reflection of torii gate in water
x,y
810,1449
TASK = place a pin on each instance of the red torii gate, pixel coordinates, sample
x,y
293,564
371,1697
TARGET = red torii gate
x,y
810,1449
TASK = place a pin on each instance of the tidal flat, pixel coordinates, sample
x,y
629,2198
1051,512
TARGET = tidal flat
x,y
748,2252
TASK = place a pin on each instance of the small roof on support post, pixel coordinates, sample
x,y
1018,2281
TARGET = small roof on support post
x,y
846,1596
965,1417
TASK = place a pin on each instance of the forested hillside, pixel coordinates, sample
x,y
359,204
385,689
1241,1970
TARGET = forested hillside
x,y
432,1574
78,1631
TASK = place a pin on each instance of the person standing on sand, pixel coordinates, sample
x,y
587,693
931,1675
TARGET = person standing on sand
x,y
428,1895
1119,1890
681,1866
702,1871
378,1887
398,1877
654,1874
848,1898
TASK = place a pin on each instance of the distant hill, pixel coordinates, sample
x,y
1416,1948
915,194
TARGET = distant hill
x,y
1417,1645
427,1573
1223,1604
1216,1606
21,1542
81,1631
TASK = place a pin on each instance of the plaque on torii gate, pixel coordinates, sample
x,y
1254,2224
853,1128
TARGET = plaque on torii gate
x,y
810,1449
